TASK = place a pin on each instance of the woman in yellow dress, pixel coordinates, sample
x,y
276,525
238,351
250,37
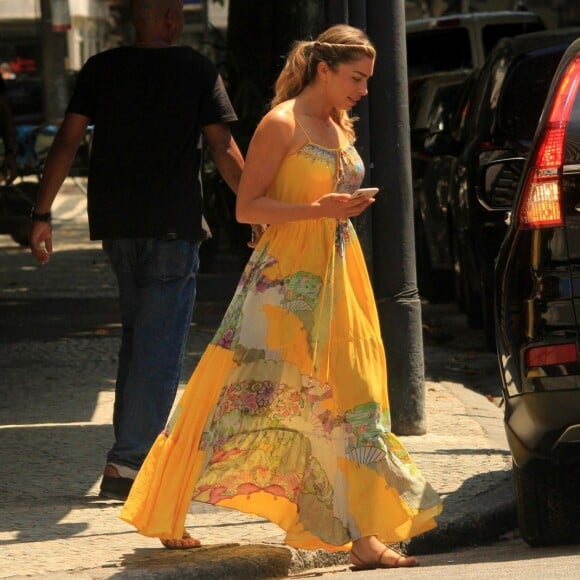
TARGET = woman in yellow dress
x,y
286,415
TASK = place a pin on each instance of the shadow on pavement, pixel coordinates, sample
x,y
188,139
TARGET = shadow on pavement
x,y
456,353
493,515
249,562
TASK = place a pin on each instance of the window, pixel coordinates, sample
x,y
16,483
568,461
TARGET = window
x,y
494,32
524,92
438,50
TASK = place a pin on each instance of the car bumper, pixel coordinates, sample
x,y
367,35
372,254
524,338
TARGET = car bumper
x,y
544,427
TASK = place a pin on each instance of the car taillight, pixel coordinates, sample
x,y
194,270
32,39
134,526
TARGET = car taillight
x,y
541,205
555,354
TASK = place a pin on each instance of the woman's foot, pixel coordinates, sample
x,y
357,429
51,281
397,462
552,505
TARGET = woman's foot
x,y
368,553
185,543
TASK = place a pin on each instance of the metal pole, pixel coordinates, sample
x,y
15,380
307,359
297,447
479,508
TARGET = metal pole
x,y
394,273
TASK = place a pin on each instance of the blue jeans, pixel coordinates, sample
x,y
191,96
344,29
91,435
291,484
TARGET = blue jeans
x,y
157,284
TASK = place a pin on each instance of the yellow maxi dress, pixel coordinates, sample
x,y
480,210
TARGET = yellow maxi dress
x,y
286,415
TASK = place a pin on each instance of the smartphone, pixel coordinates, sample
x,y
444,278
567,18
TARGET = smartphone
x,y
365,192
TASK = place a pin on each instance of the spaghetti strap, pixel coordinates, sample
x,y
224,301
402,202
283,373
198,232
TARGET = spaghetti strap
x,y
303,129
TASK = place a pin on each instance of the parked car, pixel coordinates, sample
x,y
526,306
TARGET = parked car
x,y
432,110
461,41
537,313
507,99
441,53
443,147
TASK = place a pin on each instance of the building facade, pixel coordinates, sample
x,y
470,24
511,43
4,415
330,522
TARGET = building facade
x,y
84,22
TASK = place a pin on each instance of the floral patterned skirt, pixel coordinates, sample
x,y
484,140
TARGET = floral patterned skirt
x,y
286,416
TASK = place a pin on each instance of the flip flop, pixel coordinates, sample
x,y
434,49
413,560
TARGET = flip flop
x,y
402,561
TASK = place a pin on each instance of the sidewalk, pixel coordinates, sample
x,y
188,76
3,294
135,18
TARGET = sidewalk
x,y
59,337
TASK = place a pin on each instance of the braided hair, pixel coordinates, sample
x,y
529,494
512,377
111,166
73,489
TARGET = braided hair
x,y
337,45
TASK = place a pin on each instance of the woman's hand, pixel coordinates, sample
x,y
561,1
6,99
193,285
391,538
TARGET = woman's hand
x,y
257,231
343,205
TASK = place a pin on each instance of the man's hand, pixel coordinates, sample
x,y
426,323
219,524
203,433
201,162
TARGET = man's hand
x,y
41,241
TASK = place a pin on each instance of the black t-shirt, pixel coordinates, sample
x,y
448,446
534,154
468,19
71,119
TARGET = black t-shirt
x,y
2,85
147,107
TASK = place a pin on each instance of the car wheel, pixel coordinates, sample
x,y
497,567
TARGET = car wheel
x,y
547,504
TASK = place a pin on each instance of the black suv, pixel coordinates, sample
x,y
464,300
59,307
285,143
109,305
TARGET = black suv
x,y
504,112
432,109
538,311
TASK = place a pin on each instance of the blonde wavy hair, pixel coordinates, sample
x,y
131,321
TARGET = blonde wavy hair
x,y
337,45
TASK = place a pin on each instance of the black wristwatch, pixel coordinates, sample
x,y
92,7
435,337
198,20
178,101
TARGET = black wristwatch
x,y
39,217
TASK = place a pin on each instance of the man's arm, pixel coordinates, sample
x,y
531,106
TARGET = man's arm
x,y
225,153
230,163
58,163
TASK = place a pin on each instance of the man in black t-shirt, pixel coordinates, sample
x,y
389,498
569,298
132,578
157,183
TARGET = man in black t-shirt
x,y
8,132
149,104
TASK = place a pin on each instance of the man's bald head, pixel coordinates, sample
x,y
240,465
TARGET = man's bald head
x,y
157,21
152,10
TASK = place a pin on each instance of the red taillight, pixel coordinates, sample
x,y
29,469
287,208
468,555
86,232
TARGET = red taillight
x,y
541,205
556,354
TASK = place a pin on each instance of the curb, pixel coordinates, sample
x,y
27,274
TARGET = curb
x,y
472,527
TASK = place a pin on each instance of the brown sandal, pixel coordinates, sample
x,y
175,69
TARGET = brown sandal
x,y
401,561
185,543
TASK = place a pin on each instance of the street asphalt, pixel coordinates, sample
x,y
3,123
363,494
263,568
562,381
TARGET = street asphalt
x,y
59,336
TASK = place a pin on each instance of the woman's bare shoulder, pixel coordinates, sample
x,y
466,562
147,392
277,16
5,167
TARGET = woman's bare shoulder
x,y
280,117
279,125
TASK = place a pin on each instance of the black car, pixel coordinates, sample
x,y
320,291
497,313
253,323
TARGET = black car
x,y
537,313
507,100
436,116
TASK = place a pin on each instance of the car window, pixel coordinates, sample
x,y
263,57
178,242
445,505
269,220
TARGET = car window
x,y
442,109
432,106
493,32
462,106
523,95
477,117
438,50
